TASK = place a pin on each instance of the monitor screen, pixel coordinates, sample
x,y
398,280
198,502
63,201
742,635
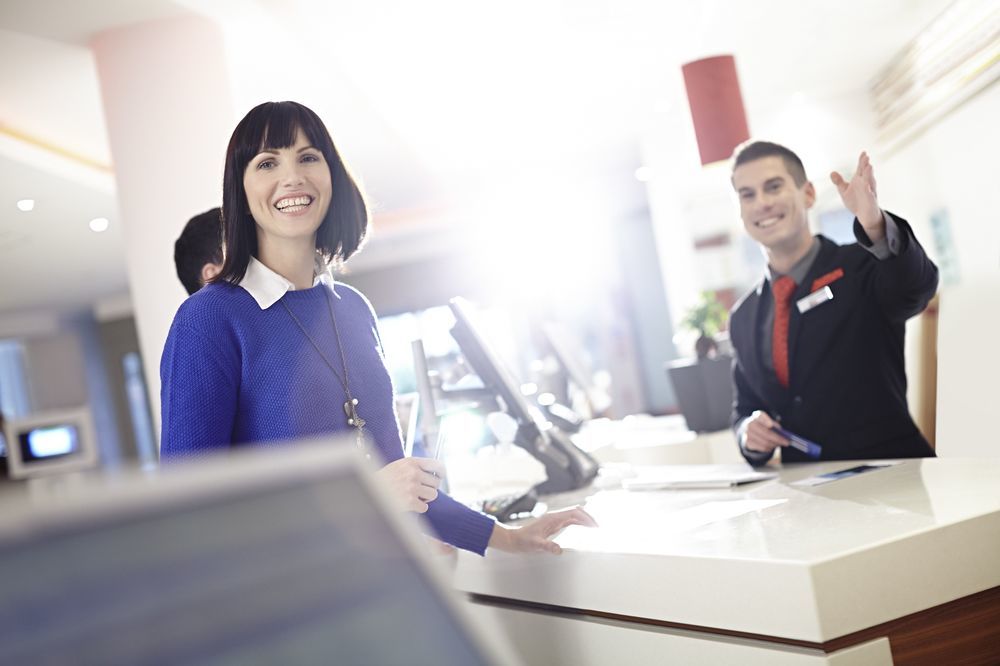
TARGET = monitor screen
x,y
571,357
567,467
303,569
50,443
488,366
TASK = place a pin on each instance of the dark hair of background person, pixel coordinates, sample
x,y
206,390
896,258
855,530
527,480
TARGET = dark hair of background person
x,y
200,243
271,126
755,150
3,458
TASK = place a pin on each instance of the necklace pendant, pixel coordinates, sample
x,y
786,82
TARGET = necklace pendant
x,y
353,419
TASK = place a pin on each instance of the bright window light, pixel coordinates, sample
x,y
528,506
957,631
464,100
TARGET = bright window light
x,y
25,205
99,224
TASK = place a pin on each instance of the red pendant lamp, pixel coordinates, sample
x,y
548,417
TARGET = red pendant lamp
x,y
720,122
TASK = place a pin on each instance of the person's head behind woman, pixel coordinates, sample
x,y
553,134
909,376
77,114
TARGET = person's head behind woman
x,y
270,126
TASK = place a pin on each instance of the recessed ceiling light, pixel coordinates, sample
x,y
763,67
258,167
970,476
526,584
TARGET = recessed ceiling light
x,y
644,174
25,205
99,224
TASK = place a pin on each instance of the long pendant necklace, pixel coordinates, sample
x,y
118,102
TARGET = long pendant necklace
x,y
351,404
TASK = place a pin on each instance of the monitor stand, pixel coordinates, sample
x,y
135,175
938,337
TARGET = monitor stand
x,y
567,467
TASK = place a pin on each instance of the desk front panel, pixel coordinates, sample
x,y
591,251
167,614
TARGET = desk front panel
x,y
772,559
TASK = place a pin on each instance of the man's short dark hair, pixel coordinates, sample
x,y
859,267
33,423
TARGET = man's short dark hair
x,y
200,243
270,126
755,150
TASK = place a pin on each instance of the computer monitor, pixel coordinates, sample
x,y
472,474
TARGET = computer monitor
x,y
570,357
408,411
52,442
428,421
566,466
282,555
704,390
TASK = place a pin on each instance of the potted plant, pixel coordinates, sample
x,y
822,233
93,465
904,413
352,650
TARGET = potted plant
x,y
706,318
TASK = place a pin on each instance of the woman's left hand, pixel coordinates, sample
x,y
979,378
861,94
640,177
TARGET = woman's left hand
x,y
537,535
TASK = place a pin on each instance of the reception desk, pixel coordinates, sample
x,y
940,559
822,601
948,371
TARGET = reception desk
x,y
656,440
901,564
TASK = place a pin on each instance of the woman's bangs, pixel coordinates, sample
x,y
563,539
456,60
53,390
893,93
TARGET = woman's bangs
x,y
280,128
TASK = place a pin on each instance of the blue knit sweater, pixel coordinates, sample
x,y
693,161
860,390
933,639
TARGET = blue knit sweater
x,y
234,374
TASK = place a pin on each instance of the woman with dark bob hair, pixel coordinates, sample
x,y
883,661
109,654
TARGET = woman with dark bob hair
x,y
274,349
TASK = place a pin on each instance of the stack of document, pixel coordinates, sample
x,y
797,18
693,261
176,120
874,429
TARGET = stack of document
x,y
662,477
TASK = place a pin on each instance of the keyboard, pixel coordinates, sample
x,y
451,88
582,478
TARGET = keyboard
x,y
507,508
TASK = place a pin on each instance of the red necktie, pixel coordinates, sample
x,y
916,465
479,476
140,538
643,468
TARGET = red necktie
x,y
782,288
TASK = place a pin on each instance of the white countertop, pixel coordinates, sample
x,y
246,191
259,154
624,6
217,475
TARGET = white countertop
x,y
771,558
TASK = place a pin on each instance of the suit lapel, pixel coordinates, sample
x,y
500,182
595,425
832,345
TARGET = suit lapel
x,y
758,369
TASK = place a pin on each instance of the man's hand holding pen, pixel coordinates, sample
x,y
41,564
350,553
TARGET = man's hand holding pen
x,y
764,434
760,434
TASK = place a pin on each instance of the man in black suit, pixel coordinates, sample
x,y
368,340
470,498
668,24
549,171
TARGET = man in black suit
x,y
198,250
818,344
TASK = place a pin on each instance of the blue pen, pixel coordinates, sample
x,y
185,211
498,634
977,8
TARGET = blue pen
x,y
811,449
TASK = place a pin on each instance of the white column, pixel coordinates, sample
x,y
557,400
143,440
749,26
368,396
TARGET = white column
x,y
169,112
669,150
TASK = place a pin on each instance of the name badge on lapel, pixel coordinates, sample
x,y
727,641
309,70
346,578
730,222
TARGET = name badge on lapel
x,y
818,297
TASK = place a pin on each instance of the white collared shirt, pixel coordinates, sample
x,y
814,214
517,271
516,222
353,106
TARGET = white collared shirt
x,y
267,287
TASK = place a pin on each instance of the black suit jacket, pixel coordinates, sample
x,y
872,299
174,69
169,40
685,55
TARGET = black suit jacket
x,y
847,379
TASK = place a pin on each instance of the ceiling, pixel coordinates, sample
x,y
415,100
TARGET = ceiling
x,y
437,104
